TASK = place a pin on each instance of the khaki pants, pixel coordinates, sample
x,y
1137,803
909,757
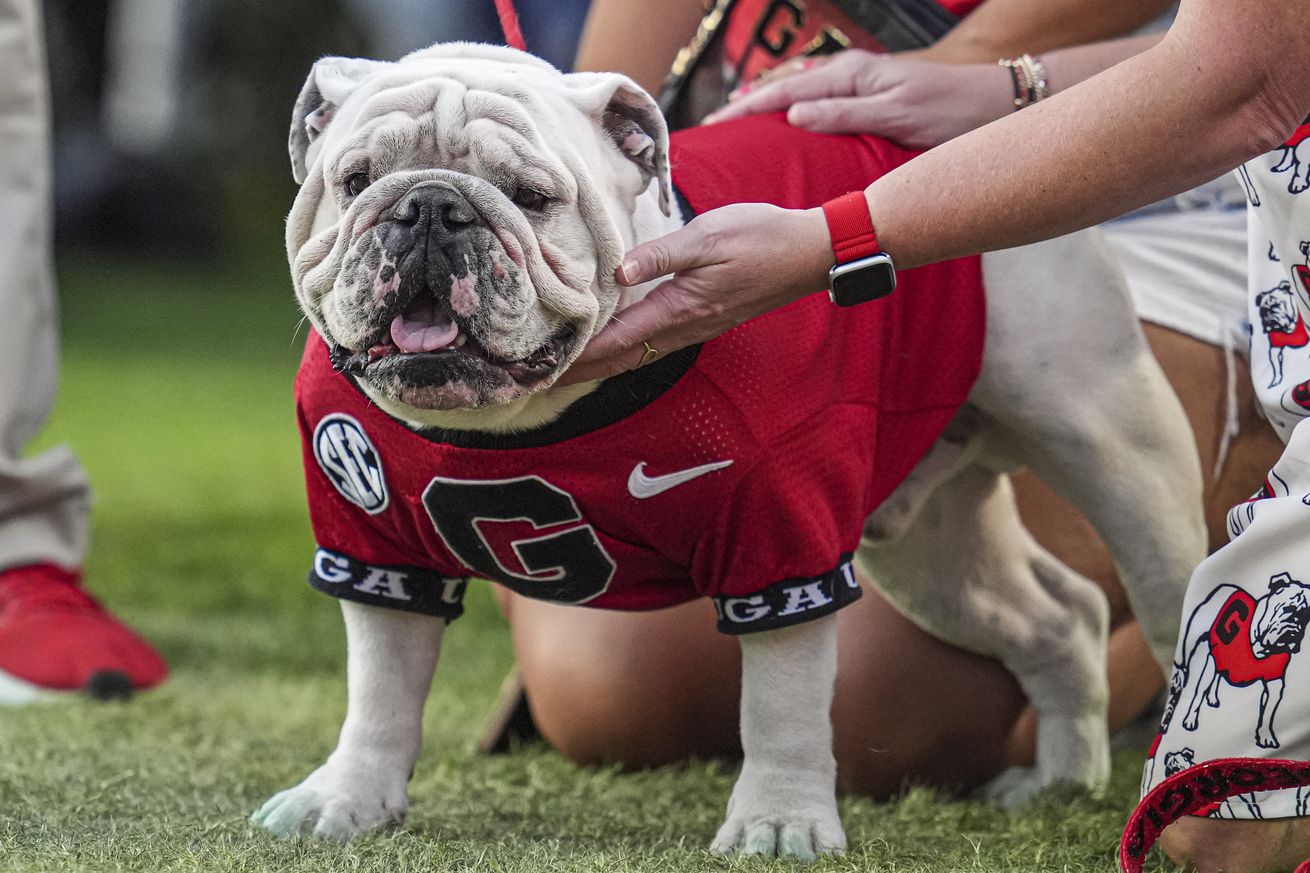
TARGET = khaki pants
x,y
44,500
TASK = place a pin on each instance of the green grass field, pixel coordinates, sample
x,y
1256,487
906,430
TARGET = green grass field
x,y
177,395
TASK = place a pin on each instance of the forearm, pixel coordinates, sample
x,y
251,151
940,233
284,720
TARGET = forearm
x,y
1067,67
1006,28
1172,117
635,38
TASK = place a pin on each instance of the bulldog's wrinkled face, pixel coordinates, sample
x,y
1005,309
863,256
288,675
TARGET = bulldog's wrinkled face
x,y
462,215
1177,762
1277,308
1282,617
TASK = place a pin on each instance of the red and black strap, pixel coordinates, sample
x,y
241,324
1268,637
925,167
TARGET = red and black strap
x,y
1197,787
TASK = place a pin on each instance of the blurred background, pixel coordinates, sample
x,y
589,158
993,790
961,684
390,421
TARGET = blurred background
x,y
171,116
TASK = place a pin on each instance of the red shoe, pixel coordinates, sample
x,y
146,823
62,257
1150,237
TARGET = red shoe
x,y
54,636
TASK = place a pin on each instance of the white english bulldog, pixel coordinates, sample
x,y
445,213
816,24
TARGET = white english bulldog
x,y
454,241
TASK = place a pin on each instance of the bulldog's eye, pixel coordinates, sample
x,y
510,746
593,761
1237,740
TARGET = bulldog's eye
x,y
356,183
526,198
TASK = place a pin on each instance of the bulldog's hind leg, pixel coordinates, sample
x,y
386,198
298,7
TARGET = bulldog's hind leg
x,y
391,657
968,572
1212,693
1078,397
1205,677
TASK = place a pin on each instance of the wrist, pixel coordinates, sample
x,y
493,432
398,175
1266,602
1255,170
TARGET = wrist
x,y
862,271
999,92
816,243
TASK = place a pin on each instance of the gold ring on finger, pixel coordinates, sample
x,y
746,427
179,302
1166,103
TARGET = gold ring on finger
x,y
650,354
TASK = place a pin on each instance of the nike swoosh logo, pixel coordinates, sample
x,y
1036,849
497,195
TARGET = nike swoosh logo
x,y
642,486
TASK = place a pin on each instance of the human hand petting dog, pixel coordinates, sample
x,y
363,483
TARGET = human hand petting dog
x,y
725,267
915,103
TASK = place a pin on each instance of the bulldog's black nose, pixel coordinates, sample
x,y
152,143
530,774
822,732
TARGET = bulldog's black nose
x,y
438,206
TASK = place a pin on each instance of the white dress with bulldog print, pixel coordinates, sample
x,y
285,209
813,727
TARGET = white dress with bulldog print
x,y
1241,686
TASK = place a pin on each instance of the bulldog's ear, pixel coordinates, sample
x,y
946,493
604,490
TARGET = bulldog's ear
x,y
330,82
1279,582
632,121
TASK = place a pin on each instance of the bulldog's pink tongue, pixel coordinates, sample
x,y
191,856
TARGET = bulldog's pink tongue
x,y
423,329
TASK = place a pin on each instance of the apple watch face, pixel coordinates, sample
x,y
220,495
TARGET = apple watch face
x,y
861,281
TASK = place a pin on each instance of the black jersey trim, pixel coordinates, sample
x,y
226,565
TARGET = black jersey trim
x,y
789,602
392,586
614,400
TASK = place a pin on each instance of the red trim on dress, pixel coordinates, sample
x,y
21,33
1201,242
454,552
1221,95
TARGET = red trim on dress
x,y
1196,788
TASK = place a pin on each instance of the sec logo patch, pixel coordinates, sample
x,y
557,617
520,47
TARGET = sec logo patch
x,y
351,463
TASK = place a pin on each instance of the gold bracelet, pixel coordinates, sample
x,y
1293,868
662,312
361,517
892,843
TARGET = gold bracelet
x,y
1029,77
1022,91
1036,72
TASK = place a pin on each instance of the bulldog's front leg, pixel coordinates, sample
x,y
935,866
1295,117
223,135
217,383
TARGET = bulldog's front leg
x,y
1271,695
391,656
784,802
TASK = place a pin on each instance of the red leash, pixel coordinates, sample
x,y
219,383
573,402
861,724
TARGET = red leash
x,y
1198,787
509,23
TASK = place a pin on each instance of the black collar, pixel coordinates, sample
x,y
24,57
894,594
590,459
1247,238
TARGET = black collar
x,y
613,400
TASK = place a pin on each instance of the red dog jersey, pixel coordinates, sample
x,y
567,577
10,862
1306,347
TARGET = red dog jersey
x,y
1230,644
741,469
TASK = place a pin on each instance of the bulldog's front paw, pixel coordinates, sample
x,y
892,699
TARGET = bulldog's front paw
x,y
1265,739
337,801
782,817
